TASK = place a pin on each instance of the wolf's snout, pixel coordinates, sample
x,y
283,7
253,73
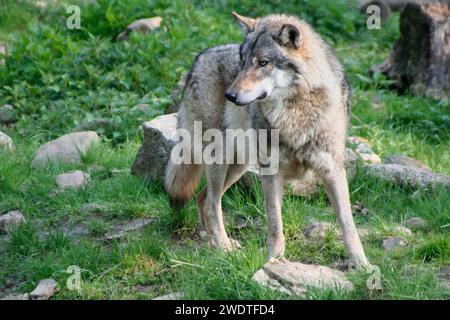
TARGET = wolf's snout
x,y
231,96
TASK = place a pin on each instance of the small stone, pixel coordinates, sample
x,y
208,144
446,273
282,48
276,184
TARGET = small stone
x,y
403,231
19,296
416,223
405,161
318,230
9,283
102,126
203,235
359,209
44,290
444,277
142,26
11,219
75,179
6,142
170,296
66,149
393,243
141,107
8,114
93,208
133,225
295,278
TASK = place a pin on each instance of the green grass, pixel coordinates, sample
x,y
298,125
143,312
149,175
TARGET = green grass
x,y
58,79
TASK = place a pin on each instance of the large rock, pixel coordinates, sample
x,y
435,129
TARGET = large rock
x,y
75,179
142,26
296,278
403,175
66,149
405,161
6,142
159,139
8,114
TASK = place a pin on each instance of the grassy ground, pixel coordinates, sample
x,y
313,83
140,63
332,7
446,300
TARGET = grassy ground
x,y
58,78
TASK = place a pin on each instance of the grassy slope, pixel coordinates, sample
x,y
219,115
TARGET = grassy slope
x,y
169,257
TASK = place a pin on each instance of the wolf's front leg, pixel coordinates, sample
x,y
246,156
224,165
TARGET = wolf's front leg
x,y
211,210
273,195
335,180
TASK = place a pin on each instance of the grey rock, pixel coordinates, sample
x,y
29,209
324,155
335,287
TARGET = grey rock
x,y
443,276
142,26
415,223
405,161
170,296
103,126
6,142
10,220
133,225
65,149
45,290
403,175
403,231
393,243
363,149
8,114
18,296
75,179
295,278
94,208
359,209
318,230
141,107
159,139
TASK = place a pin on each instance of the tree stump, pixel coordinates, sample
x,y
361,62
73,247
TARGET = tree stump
x,y
420,60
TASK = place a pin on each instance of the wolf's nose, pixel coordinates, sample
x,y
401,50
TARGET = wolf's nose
x,y
231,96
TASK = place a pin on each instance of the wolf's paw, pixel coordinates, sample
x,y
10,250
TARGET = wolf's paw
x,y
275,248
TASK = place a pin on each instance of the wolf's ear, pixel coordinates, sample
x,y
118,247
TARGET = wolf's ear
x,y
290,36
247,24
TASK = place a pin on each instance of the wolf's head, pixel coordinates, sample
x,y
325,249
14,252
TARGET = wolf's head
x,y
270,57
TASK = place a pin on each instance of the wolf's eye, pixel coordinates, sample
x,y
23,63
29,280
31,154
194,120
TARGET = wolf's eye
x,y
263,63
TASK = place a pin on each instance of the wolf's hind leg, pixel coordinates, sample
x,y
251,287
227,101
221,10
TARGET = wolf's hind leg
x,y
272,186
213,218
234,172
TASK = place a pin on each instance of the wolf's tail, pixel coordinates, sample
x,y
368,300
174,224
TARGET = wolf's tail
x,y
181,181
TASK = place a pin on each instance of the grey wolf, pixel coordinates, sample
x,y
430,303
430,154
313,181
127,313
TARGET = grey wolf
x,y
283,76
